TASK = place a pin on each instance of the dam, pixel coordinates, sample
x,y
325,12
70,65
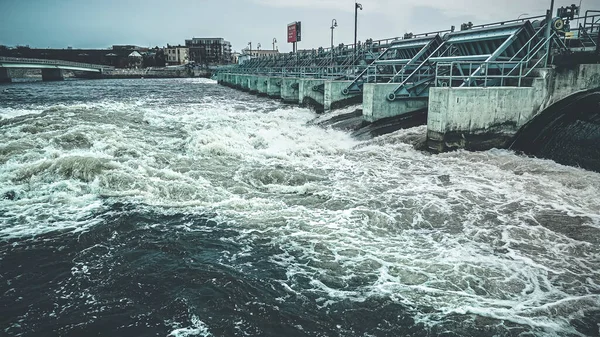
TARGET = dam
x,y
478,86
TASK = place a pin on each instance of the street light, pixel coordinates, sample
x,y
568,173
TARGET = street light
x,y
333,25
356,7
250,51
274,42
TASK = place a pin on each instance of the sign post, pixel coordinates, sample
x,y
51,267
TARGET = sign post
x,y
294,33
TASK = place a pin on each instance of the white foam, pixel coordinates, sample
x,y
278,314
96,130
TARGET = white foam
x,y
475,233
198,329
8,112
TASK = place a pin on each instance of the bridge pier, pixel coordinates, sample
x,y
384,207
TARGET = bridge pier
x,y
376,106
261,85
245,82
52,75
289,90
274,87
311,93
335,99
5,75
253,84
479,118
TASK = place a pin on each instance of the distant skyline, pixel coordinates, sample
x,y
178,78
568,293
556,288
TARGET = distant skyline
x,y
103,23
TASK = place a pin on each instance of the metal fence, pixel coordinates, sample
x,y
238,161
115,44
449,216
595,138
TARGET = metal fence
x,y
53,62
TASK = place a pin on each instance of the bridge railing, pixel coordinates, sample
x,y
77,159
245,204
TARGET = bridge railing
x,y
53,62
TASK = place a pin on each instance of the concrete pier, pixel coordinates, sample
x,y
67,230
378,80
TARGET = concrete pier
x,y
289,90
376,106
52,75
335,99
5,75
311,93
237,81
253,84
484,118
245,82
274,87
261,85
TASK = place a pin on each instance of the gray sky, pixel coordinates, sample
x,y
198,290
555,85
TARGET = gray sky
x,y
102,23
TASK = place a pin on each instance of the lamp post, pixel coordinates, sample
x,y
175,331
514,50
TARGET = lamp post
x,y
548,32
356,7
274,42
250,45
333,25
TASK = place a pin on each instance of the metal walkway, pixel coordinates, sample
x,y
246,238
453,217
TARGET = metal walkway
x,y
505,53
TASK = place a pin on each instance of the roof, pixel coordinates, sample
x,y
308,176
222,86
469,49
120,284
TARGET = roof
x,y
135,54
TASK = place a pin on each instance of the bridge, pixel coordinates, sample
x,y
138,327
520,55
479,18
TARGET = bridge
x,y
52,70
477,86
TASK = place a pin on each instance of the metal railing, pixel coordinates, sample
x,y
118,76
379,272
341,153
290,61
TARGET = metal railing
x,y
53,62
372,64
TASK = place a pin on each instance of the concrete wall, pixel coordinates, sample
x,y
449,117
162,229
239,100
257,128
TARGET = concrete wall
x,y
310,97
484,118
376,106
274,87
485,115
561,83
333,97
52,75
5,75
289,90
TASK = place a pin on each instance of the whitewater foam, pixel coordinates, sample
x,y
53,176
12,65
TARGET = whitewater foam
x,y
490,234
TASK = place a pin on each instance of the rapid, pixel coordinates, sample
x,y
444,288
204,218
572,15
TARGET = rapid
x,y
182,208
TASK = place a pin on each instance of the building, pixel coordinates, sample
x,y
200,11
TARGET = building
x,y
209,50
176,55
235,57
247,55
129,47
243,58
135,59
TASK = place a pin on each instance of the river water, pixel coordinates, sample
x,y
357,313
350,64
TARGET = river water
x,y
183,208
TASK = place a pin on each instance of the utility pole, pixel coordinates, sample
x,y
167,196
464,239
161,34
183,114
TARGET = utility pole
x,y
356,7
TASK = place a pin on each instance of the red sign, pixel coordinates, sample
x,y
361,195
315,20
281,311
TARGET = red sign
x,y
292,34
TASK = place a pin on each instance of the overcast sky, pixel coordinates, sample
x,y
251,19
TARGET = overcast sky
x,y
102,23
